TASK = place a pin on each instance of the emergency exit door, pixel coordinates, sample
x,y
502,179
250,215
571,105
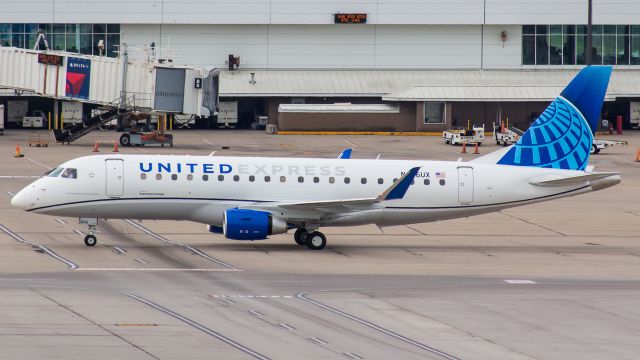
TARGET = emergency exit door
x,y
465,185
115,177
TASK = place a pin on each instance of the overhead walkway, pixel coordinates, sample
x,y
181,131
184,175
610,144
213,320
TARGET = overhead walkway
x,y
136,85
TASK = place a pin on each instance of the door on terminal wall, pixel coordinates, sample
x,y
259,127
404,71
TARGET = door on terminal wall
x,y
115,177
465,185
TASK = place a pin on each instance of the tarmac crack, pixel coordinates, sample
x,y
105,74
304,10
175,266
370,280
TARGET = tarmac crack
x,y
532,223
96,324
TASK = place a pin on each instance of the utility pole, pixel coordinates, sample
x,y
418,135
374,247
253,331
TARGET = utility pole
x,y
589,48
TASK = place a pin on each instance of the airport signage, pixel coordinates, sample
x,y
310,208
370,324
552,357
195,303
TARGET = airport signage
x,y
350,18
50,59
78,78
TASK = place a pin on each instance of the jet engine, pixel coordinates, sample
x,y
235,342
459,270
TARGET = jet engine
x,y
240,224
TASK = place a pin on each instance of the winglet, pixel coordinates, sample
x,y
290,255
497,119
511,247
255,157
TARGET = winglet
x,y
400,187
345,154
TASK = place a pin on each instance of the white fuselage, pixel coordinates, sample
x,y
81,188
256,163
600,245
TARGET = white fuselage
x,y
189,188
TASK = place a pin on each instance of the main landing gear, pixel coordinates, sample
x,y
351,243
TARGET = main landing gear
x,y
314,240
90,240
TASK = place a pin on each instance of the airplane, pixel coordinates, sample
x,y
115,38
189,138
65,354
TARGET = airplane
x,y
251,198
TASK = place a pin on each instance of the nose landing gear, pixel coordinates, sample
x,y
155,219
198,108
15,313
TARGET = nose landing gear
x,y
90,240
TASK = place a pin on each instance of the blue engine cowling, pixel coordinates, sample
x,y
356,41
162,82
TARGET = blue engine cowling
x,y
239,224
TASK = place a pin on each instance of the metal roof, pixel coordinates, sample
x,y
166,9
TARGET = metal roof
x,y
394,83
476,93
340,108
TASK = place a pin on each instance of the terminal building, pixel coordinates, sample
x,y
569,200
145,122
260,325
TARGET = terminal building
x,y
356,65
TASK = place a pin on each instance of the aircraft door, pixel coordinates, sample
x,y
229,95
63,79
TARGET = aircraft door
x,y
115,177
465,185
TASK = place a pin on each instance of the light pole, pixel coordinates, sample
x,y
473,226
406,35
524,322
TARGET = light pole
x,y
589,48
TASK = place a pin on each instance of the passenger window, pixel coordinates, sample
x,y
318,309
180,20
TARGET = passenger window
x,y
143,176
190,177
70,173
205,177
427,181
55,172
316,179
300,179
283,179
347,180
332,180
441,182
236,178
252,178
267,178
174,177
220,177
363,181
380,181
158,176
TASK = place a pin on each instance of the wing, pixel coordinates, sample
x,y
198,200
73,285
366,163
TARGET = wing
x,y
316,209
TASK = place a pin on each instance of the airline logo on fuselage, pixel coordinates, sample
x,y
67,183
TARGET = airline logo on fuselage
x,y
242,169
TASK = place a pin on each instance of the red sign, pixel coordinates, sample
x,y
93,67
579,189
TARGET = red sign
x,y
49,59
350,18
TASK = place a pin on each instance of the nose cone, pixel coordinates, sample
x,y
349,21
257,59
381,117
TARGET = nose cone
x,y
23,199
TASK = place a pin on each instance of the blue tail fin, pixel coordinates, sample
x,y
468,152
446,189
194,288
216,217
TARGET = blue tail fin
x,y
562,136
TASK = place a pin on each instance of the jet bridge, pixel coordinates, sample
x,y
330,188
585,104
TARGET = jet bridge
x,y
117,85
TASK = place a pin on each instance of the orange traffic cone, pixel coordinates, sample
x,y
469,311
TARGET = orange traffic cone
x,y
464,148
18,153
475,151
95,147
115,146
638,155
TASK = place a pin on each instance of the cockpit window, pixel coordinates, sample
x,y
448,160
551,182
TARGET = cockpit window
x,y
55,172
70,173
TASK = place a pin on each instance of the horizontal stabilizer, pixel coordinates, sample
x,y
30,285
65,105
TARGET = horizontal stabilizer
x,y
572,180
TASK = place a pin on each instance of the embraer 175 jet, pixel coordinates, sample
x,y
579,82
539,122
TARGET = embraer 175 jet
x,y
250,198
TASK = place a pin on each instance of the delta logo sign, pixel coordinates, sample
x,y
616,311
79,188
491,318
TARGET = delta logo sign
x,y
78,76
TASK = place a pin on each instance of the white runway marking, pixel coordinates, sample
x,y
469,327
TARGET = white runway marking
x,y
317,341
252,296
119,250
349,142
352,355
208,142
286,326
78,232
159,269
10,193
39,164
61,221
141,261
520,282
256,313
20,176
228,301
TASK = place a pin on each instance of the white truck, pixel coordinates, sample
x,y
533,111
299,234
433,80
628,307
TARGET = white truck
x,y
459,136
603,144
506,136
37,119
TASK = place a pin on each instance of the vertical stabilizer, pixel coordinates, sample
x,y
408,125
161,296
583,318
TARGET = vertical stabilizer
x,y
562,136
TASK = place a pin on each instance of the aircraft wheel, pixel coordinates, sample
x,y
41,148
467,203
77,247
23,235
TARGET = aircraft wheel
x,y
300,236
125,140
90,240
593,149
316,240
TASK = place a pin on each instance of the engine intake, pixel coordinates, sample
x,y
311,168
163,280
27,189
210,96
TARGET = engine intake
x,y
239,224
